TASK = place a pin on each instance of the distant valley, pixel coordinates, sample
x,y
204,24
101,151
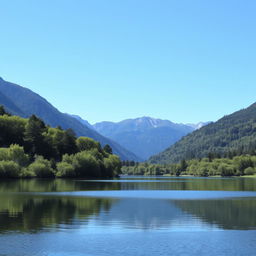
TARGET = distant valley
x,y
145,136
132,139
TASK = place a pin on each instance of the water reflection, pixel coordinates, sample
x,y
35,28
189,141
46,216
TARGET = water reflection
x,y
54,185
57,217
130,183
33,213
237,214
189,183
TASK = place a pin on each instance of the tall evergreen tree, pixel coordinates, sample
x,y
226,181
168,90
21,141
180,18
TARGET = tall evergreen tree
x,y
33,136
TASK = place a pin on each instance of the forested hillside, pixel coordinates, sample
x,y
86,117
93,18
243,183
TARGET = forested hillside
x,y
232,135
23,102
29,148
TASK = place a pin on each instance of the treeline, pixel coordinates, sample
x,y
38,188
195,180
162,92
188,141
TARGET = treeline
x,y
235,166
30,148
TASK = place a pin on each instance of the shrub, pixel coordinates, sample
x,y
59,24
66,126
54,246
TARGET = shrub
x,y
9,169
68,158
86,165
202,171
4,156
65,170
27,173
84,143
17,154
14,153
226,170
112,166
41,168
249,171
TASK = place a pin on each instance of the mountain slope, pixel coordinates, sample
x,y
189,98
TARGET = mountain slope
x,y
82,121
144,136
9,105
24,102
232,134
198,125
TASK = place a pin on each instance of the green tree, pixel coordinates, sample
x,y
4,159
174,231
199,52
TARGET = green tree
x,y
86,165
9,169
108,149
85,143
41,168
16,153
65,170
33,136
11,130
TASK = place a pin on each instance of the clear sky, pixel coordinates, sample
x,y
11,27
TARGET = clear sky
x,y
182,60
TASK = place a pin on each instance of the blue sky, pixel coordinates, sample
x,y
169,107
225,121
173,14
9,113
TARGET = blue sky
x,y
182,60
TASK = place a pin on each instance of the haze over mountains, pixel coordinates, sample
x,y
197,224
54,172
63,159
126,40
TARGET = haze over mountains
x,y
132,139
24,102
233,134
145,136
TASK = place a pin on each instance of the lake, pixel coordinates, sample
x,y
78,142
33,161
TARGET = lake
x,y
128,216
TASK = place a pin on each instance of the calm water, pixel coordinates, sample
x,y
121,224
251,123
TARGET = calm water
x,y
128,216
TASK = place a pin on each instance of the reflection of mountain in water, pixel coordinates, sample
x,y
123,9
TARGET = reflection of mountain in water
x,y
164,214
227,214
144,214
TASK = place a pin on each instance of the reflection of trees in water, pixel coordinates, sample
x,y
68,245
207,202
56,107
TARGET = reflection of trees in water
x,y
227,184
20,212
58,185
227,214
30,214
54,185
25,213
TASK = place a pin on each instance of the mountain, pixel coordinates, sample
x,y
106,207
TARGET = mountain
x,y
24,102
144,136
9,105
198,125
82,121
231,135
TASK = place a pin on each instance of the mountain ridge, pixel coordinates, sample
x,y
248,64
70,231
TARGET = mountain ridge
x,y
233,134
22,101
145,135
